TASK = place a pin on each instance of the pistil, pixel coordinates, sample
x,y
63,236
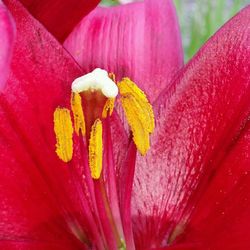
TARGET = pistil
x,y
92,103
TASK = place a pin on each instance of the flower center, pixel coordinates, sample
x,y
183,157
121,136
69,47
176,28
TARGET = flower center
x,y
92,102
96,80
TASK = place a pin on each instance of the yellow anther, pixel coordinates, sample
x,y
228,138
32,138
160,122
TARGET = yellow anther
x,y
139,113
108,108
64,131
95,149
76,106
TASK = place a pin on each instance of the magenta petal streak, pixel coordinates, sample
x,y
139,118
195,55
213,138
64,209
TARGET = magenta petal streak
x,y
139,40
7,31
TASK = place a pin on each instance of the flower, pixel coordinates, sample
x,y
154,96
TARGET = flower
x,y
196,172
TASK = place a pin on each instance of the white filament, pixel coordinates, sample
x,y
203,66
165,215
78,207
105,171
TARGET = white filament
x,y
98,79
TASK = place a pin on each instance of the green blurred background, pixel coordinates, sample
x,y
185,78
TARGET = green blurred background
x,y
199,19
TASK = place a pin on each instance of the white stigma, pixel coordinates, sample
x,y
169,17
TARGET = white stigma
x,y
98,79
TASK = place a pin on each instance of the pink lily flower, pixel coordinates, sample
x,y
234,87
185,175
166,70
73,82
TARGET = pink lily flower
x,y
190,191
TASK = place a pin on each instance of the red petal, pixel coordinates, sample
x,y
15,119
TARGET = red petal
x,y
37,245
59,17
197,120
41,198
7,31
33,199
140,40
225,203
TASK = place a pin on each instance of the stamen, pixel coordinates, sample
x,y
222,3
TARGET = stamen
x,y
108,108
64,131
95,149
96,80
92,100
76,106
139,113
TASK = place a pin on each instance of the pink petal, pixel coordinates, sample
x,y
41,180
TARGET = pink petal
x,y
34,184
59,17
198,118
7,31
139,40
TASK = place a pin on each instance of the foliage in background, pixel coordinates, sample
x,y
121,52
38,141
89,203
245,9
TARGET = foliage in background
x,y
109,2
199,19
